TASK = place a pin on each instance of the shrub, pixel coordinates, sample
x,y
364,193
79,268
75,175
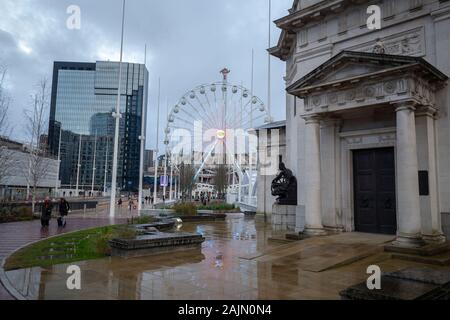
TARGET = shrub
x,y
124,232
186,209
15,214
142,220
219,206
101,243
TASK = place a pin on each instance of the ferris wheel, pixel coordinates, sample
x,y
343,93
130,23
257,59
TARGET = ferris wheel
x,y
213,110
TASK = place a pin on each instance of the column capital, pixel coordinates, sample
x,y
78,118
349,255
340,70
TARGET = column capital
x,y
404,105
311,119
331,122
427,111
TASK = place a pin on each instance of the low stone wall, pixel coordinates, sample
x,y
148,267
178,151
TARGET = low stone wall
x,y
75,205
155,244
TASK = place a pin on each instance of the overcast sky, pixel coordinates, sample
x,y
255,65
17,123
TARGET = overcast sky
x,y
189,42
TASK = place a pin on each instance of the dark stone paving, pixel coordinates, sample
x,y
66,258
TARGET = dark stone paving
x,y
16,234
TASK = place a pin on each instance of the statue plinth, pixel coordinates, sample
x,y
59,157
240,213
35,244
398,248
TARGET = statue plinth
x,y
283,217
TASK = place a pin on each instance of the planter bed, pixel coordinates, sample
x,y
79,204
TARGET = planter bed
x,y
155,243
202,217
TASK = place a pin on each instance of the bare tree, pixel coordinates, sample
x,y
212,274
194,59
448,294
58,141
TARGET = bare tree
x,y
36,125
187,174
221,180
6,156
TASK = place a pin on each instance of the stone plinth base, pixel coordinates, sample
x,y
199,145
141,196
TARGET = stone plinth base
x,y
156,243
283,217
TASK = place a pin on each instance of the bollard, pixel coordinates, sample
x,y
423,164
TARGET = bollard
x,y
84,209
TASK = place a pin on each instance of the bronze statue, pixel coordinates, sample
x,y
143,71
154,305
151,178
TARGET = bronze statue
x,y
284,186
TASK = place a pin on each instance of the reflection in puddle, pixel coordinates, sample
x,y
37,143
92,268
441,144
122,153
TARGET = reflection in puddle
x,y
216,271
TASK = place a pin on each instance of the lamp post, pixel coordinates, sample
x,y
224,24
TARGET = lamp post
x,y
59,164
78,168
155,189
142,137
165,176
117,116
94,165
250,159
170,181
106,167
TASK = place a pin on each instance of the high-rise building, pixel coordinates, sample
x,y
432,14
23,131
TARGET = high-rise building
x,y
84,97
148,159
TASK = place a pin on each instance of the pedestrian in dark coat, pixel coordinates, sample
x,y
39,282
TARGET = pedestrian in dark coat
x,y
64,209
46,212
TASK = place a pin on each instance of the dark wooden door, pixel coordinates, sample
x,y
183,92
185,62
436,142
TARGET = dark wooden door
x,y
374,183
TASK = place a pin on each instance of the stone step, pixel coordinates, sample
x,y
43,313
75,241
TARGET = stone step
x,y
424,251
280,239
442,259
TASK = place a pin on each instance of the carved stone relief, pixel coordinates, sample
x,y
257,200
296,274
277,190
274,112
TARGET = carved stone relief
x,y
409,43
377,92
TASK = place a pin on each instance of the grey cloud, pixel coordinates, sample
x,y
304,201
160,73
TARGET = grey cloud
x,y
189,42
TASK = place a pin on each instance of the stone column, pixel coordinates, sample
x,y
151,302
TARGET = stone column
x,y
408,208
313,210
330,184
426,150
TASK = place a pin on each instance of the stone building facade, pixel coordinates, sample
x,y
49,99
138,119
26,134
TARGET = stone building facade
x,y
368,128
271,145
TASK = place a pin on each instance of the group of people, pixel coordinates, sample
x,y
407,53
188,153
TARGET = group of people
x,y
46,212
148,200
131,204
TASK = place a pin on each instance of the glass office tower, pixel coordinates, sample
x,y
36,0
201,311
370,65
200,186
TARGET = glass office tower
x,y
84,96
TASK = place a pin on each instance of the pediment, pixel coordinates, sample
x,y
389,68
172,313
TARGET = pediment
x,y
350,67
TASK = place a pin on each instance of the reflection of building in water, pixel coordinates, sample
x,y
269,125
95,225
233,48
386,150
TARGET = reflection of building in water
x,y
83,98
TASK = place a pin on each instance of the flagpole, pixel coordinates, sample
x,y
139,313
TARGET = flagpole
x,y
269,71
117,116
142,136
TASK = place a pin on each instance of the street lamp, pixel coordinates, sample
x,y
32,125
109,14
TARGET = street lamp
x,y
116,115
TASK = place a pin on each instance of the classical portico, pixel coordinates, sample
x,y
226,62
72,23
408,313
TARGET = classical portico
x,y
370,146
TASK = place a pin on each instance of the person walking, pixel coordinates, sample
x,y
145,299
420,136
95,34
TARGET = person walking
x,y
64,209
46,212
130,204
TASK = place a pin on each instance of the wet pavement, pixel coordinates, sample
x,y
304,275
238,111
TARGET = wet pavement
x,y
236,262
17,234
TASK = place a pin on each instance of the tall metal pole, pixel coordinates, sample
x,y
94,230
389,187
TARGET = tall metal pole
x,y
143,134
165,176
155,189
106,166
250,158
78,168
117,116
59,164
94,165
269,65
165,158
171,180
